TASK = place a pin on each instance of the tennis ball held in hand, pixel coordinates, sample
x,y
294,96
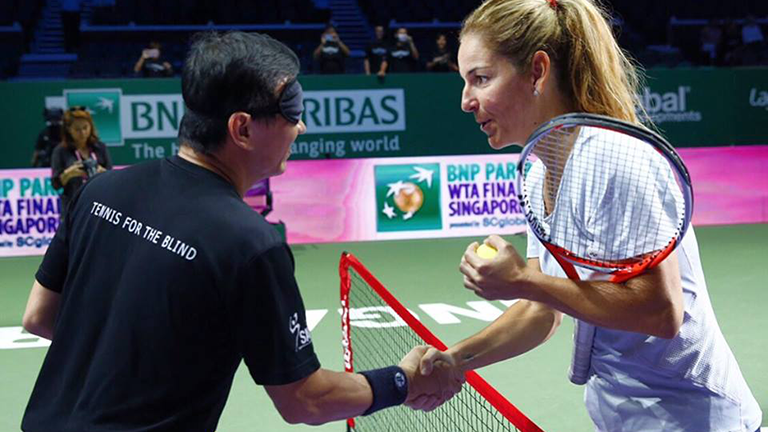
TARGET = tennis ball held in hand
x,y
486,252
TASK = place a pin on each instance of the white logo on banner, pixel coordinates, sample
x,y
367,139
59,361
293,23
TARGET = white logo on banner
x,y
758,98
353,111
670,106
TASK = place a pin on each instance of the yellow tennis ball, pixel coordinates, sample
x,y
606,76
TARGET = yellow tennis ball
x,y
486,252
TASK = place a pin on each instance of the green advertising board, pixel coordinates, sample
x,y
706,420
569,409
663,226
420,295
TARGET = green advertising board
x,y
709,107
353,116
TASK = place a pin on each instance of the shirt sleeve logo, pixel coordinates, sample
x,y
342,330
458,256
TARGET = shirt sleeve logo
x,y
302,335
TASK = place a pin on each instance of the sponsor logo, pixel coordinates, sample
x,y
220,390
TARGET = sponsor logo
x,y
354,111
408,197
119,117
104,107
33,242
669,107
537,227
345,333
302,335
758,98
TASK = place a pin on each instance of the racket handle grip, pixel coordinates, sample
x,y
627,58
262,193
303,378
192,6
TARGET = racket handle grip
x,y
583,337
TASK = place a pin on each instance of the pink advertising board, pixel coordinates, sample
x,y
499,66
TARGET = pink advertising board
x,y
403,198
29,211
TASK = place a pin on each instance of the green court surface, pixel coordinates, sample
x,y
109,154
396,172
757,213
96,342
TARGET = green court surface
x,y
426,271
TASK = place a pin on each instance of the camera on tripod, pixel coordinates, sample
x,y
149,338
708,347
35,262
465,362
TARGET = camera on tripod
x,y
91,167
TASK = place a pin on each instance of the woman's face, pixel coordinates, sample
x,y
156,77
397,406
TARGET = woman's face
x,y
500,98
80,131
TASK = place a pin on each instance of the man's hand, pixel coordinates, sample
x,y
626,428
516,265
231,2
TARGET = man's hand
x,y
427,391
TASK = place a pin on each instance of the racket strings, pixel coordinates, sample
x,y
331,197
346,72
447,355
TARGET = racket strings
x,y
604,196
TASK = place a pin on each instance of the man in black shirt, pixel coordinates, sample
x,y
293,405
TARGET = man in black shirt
x,y
151,63
403,57
162,279
376,54
332,53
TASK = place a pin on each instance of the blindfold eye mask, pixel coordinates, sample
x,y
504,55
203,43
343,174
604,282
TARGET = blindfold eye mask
x,y
292,102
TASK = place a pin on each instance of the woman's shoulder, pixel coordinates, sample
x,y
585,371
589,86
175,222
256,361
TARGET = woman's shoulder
x,y
60,150
100,147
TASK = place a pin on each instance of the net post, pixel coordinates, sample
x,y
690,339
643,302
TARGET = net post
x,y
346,340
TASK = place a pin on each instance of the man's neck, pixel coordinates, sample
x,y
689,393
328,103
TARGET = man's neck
x,y
214,164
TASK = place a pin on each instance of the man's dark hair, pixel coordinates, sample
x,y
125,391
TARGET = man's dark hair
x,y
226,73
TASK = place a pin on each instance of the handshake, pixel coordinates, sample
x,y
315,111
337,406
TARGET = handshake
x,y
433,377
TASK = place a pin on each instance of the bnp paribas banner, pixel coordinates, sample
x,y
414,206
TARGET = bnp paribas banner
x,y
354,116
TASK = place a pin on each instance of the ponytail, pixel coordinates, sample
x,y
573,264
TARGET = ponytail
x,y
591,69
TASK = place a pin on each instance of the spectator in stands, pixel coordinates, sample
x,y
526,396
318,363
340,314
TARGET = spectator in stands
x,y
403,56
442,59
751,33
48,138
376,54
711,36
70,22
732,47
331,54
80,156
151,63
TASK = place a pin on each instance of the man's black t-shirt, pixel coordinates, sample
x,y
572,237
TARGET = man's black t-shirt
x,y
154,68
331,58
401,58
377,53
167,280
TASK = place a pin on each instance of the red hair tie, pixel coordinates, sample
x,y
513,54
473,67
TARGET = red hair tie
x,y
553,3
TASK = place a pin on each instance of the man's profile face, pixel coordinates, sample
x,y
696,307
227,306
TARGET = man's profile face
x,y
274,146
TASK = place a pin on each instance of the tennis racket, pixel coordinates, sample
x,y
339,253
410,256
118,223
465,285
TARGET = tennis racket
x,y
608,199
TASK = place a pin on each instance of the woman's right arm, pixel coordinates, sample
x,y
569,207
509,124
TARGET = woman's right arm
x,y
521,328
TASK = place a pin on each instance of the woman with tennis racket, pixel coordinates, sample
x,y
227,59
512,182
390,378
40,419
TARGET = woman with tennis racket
x,y
608,204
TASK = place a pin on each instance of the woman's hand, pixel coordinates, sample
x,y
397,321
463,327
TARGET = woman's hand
x,y
503,277
72,171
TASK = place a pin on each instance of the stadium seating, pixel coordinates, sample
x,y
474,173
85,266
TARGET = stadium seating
x,y
113,36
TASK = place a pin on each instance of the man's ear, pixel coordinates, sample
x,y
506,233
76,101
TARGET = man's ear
x,y
541,68
239,129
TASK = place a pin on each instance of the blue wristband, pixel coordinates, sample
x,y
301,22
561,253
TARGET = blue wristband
x,y
389,386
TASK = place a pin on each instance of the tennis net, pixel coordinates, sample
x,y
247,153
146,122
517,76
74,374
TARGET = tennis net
x,y
378,331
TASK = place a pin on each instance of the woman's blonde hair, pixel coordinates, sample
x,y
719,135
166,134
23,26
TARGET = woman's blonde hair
x,y
72,114
591,69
